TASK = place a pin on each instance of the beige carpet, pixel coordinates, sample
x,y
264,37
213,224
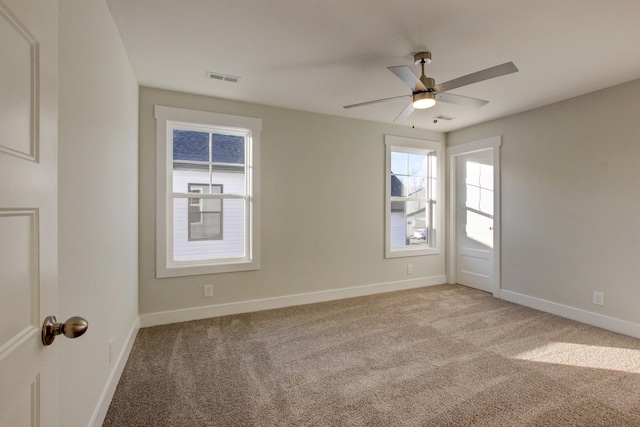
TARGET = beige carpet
x,y
438,356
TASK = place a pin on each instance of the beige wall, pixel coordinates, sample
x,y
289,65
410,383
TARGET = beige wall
x,y
98,171
322,220
570,200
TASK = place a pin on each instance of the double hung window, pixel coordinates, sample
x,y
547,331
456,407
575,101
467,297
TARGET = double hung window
x,y
411,199
207,211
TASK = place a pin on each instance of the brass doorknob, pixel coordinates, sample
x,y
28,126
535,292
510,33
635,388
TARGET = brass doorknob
x,y
72,328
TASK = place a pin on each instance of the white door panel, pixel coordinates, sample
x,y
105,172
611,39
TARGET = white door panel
x,y
28,210
474,216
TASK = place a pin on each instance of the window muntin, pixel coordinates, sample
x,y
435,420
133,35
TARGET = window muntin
x,y
200,154
411,196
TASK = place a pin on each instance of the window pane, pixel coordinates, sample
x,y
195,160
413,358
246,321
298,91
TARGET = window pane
x,y
190,145
416,186
398,185
227,148
409,186
212,205
473,197
409,173
214,235
417,164
486,201
205,226
486,176
190,181
399,163
473,173
409,224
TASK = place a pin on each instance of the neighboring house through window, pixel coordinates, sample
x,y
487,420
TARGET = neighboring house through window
x,y
201,228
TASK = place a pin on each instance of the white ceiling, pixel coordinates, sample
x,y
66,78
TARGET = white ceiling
x,y
318,55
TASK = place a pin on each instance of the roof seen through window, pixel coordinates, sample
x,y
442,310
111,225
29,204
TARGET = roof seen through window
x,y
194,146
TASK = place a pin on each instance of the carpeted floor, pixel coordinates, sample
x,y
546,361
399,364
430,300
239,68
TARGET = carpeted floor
x,y
437,356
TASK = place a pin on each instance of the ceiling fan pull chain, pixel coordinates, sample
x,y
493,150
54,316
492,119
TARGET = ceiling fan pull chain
x,y
435,114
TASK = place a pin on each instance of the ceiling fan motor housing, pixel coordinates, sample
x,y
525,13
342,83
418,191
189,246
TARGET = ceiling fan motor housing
x,y
428,82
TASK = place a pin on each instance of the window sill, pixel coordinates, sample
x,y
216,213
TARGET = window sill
x,y
403,253
200,269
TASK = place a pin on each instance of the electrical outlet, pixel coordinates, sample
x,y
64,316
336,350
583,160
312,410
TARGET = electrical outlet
x,y
208,291
111,351
409,269
598,298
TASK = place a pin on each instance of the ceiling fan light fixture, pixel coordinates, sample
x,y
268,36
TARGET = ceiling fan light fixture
x,y
424,100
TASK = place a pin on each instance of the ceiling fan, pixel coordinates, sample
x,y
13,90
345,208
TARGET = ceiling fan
x,y
425,92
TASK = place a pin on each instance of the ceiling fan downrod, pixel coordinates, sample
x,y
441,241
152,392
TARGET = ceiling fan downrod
x,y
424,58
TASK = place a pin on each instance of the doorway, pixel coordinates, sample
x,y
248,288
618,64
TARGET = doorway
x,y
474,184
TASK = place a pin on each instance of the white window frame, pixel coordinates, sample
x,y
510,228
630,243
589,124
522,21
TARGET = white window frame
x,y
249,126
418,146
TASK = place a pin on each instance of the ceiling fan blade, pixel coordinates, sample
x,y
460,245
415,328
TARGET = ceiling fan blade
x,y
478,76
461,100
405,74
376,101
405,113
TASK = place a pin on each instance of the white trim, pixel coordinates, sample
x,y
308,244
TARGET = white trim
x,y
197,117
577,314
471,147
164,116
102,407
412,145
175,316
493,144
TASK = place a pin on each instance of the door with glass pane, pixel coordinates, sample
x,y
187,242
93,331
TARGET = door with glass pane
x,y
474,219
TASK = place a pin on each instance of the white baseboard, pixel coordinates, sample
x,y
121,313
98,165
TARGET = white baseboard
x,y
175,316
605,322
105,399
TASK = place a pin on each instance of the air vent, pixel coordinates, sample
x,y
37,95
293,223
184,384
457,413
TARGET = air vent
x,y
443,117
222,77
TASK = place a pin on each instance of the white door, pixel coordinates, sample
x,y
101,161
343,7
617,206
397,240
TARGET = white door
x,y
474,217
28,210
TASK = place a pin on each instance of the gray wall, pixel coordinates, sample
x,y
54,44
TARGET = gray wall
x,y
570,205
322,220
98,200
